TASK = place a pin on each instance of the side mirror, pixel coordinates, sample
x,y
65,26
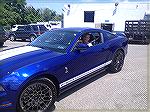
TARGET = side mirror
x,y
82,47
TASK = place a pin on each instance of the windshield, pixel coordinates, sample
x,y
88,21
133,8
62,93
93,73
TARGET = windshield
x,y
57,40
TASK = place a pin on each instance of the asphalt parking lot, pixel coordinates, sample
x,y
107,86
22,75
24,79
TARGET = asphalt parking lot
x,y
126,90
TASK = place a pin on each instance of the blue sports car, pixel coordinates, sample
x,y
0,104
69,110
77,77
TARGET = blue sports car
x,y
33,76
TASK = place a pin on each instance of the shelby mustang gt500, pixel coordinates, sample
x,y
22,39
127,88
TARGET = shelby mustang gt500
x,y
33,76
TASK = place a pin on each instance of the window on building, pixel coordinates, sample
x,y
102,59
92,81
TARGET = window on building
x,y
89,16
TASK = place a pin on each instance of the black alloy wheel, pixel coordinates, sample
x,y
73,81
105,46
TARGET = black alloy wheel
x,y
117,62
37,96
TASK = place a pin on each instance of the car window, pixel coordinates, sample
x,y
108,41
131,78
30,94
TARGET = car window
x,y
35,27
110,35
28,28
42,28
57,40
21,27
95,39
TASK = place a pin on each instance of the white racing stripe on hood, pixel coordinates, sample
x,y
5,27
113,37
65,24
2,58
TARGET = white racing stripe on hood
x,y
16,51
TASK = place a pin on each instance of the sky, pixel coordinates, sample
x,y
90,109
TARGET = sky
x,y
58,5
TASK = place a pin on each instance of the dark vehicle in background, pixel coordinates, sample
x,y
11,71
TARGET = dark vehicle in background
x,y
3,35
30,31
138,30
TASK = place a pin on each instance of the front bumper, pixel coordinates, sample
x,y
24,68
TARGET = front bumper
x,y
5,101
8,95
10,89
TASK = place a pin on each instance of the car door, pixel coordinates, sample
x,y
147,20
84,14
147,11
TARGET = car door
x,y
100,52
75,69
27,32
96,55
42,29
20,32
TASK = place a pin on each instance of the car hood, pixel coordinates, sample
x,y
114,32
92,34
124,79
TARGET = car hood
x,y
13,59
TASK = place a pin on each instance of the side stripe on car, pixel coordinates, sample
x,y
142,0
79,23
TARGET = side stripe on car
x,y
84,74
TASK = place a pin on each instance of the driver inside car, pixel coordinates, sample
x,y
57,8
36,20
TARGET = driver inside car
x,y
86,39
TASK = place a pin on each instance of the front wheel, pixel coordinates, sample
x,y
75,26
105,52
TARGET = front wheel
x,y
12,38
117,62
39,95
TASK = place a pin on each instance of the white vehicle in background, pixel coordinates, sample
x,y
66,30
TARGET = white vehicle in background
x,y
15,27
46,24
51,24
55,24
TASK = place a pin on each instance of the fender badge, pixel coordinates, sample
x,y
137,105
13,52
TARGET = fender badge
x,y
66,70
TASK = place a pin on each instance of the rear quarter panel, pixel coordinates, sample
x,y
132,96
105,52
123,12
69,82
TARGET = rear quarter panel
x,y
118,43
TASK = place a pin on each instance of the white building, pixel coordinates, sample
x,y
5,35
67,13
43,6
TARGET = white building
x,y
96,15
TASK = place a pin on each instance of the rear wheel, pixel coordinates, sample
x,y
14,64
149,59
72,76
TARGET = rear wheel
x,y
39,95
117,62
32,37
12,38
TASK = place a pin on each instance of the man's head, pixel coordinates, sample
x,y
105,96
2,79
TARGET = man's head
x,y
86,38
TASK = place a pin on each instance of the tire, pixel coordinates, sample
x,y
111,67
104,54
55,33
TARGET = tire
x,y
32,37
117,62
1,44
12,38
39,95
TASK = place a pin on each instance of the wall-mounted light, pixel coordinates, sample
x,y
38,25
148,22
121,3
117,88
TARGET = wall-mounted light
x,y
115,10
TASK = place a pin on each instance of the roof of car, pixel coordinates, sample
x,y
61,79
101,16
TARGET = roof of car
x,y
78,29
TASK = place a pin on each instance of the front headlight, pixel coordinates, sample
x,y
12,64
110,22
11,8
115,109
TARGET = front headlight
x,y
1,88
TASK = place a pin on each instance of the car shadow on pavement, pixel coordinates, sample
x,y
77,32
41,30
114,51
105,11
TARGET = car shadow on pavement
x,y
83,84
77,87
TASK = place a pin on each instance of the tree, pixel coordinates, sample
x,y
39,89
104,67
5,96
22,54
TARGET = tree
x,y
32,15
47,14
50,15
16,12
10,11
58,17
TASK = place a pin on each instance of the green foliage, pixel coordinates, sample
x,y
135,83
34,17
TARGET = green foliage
x,y
16,12
50,15
32,15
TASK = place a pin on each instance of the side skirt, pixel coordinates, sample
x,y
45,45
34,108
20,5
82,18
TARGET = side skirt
x,y
81,80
